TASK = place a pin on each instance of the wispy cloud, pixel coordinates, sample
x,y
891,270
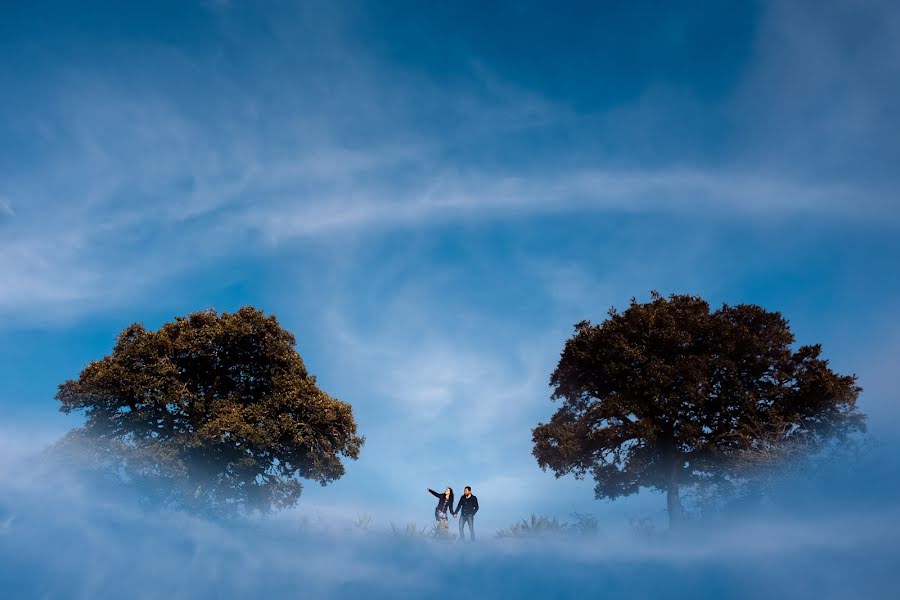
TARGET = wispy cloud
x,y
76,253
503,196
153,183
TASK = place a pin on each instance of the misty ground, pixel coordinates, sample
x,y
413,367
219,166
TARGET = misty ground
x,y
829,535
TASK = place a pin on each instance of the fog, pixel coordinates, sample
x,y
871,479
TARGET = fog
x,y
826,534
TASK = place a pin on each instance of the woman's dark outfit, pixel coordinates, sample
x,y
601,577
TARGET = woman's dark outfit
x,y
444,504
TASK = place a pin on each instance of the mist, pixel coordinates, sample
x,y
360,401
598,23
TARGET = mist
x,y
824,534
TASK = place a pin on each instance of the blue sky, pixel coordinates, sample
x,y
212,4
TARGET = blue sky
x,y
430,195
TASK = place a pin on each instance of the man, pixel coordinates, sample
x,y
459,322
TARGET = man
x,y
468,506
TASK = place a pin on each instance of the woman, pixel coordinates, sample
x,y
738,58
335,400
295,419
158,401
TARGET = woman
x,y
445,503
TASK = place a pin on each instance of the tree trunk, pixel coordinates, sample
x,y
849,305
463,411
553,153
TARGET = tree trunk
x,y
674,460
673,502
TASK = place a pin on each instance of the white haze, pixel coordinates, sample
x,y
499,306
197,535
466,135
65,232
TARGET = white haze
x,y
830,535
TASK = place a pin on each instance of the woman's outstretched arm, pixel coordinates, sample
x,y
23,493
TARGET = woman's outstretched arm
x,y
433,493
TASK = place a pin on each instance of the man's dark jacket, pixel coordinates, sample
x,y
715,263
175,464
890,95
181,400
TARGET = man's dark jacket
x,y
468,506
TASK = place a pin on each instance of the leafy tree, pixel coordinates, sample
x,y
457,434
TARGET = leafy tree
x,y
214,412
667,394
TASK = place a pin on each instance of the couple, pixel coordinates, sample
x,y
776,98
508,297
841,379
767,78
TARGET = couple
x,y
468,506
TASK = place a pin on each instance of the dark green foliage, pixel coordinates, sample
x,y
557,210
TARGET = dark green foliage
x,y
211,412
668,394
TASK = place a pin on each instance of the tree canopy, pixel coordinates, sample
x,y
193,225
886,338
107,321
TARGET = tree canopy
x,y
669,393
216,412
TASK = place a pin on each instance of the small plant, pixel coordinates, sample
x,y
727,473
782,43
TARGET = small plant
x,y
642,526
585,524
362,522
411,530
303,524
537,526
441,530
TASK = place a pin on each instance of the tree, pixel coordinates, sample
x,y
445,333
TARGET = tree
x,y
217,412
667,394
